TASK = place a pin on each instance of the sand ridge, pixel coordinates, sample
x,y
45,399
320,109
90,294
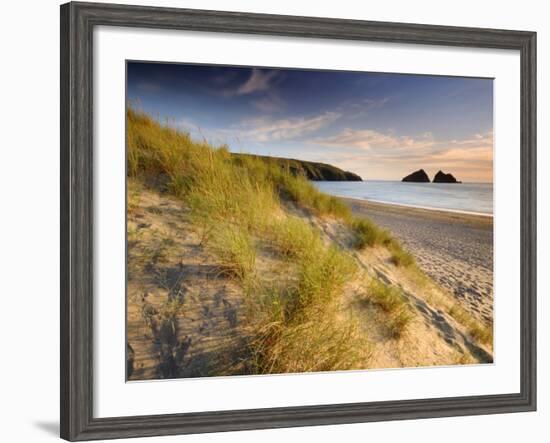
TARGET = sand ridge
x,y
185,319
454,249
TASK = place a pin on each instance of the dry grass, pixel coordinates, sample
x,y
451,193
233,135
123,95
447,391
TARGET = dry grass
x,y
392,302
234,202
400,257
293,237
367,234
235,251
318,342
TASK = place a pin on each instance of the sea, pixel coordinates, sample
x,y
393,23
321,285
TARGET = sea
x,y
474,198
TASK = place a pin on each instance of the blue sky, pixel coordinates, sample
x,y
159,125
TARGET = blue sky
x,y
381,126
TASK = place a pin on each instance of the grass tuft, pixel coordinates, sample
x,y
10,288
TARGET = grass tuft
x,y
315,344
392,302
293,237
368,234
400,257
322,274
235,251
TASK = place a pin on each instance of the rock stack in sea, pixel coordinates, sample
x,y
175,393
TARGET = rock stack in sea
x,y
441,177
419,176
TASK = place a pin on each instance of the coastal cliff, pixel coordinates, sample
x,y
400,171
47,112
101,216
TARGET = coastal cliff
x,y
311,170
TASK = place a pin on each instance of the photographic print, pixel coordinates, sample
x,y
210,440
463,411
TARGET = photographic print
x,y
296,220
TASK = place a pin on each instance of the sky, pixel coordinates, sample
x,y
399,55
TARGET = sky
x,y
381,126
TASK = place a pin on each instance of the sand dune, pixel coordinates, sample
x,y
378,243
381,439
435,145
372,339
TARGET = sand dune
x,y
454,249
185,319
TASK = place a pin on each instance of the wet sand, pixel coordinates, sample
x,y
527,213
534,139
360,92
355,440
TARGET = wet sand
x,y
454,249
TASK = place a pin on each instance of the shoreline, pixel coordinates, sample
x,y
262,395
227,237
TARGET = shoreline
x,y
403,205
454,249
420,211
427,208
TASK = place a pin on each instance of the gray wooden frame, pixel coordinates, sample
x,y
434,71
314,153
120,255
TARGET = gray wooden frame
x,y
77,23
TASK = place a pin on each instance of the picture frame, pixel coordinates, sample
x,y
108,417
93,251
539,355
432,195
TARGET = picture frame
x,y
78,21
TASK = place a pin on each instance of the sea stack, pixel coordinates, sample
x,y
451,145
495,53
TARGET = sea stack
x,y
441,177
419,176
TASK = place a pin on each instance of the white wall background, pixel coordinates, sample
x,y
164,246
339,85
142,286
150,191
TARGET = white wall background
x,y
29,219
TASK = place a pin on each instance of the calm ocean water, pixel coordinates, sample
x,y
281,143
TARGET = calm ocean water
x,y
463,197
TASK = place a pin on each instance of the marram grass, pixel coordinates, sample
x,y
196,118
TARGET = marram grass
x,y
239,202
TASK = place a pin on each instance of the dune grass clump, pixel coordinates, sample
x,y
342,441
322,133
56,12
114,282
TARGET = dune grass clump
x,y
157,152
293,237
296,325
322,274
327,204
368,234
316,344
216,189
223,194
298,328
319,272
400,257
235,250
299,190
392,302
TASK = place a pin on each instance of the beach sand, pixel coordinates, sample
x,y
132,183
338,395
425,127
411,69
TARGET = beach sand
x,y
455,249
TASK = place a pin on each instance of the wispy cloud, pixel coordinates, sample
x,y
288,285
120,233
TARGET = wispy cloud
x,y
265,129
258,81
368,139
364,104
360,107
381,154
260,130
269,104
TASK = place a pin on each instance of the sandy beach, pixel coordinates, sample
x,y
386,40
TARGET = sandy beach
x,y
455,249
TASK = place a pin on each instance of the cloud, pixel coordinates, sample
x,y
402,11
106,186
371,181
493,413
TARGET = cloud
x,y
367,103
356,108
369,139
271,103
260,130
258,81
265,129
390,156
